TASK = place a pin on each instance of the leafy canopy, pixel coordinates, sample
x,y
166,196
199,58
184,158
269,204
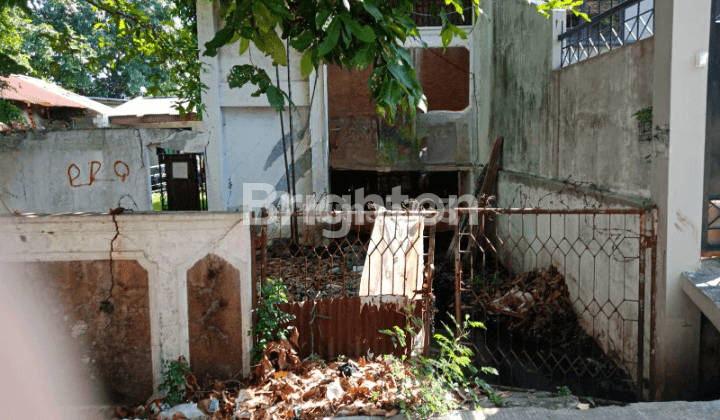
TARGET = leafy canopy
x,y
113,47
108,48
355,34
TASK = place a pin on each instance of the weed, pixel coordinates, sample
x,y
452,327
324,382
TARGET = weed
x,y
173,373
563,391
270,318
494,396
644,115
449,372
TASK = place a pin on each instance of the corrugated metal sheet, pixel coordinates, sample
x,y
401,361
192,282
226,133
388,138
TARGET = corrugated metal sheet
x,y
348,326
38,92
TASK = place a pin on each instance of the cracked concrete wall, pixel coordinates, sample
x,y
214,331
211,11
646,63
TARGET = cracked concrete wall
x,y
83,170
166,247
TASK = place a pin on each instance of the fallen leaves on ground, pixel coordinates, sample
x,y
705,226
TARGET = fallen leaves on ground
x,y
283,387
537,301
313,278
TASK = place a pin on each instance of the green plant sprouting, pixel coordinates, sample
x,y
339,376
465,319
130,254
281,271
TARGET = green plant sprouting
x,y
564,391
173,373
644,115
270,318
451,371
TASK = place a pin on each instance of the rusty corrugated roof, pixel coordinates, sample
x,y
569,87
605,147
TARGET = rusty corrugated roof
x,y
39,92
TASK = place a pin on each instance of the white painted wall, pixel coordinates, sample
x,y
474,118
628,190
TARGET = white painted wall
x,y
679,104
245,132
159,243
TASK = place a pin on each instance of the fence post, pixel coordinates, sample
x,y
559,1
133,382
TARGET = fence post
x,y
641,307
458,276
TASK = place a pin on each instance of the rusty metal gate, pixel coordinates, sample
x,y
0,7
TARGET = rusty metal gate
x,y
562,294
323,273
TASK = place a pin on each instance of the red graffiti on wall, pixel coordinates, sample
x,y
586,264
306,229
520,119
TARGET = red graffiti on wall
x,y
122,171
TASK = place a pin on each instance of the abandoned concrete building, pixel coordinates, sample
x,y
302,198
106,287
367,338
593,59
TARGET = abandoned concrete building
x,y
601,188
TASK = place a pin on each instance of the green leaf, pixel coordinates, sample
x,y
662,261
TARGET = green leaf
x,y
373,10
365,57
263,18
331,39
244,44
221,38
271,44
322,18
363,33
303,42
306,63
446,36
400,73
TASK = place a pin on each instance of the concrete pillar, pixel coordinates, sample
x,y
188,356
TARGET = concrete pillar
x,y
682,29
558,27
319,134
207,25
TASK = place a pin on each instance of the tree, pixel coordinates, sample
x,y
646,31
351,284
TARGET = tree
x,y
354,34
104,48
132,39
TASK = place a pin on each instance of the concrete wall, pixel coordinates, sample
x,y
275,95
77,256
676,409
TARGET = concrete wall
x,y
576,122
180,285
82,170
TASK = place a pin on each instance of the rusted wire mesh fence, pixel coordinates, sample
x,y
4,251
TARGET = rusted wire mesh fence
x,y
346,281
562,294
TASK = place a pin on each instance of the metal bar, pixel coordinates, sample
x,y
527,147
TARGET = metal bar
x,y
653,305
430,267
597,18
641,308
458,275
254,243
263,249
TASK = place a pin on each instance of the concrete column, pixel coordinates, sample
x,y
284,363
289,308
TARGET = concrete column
x,y
558,27
319,136
212,119
682,29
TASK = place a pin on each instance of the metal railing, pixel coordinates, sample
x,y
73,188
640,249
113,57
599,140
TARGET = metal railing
x,y
711,234
614,23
